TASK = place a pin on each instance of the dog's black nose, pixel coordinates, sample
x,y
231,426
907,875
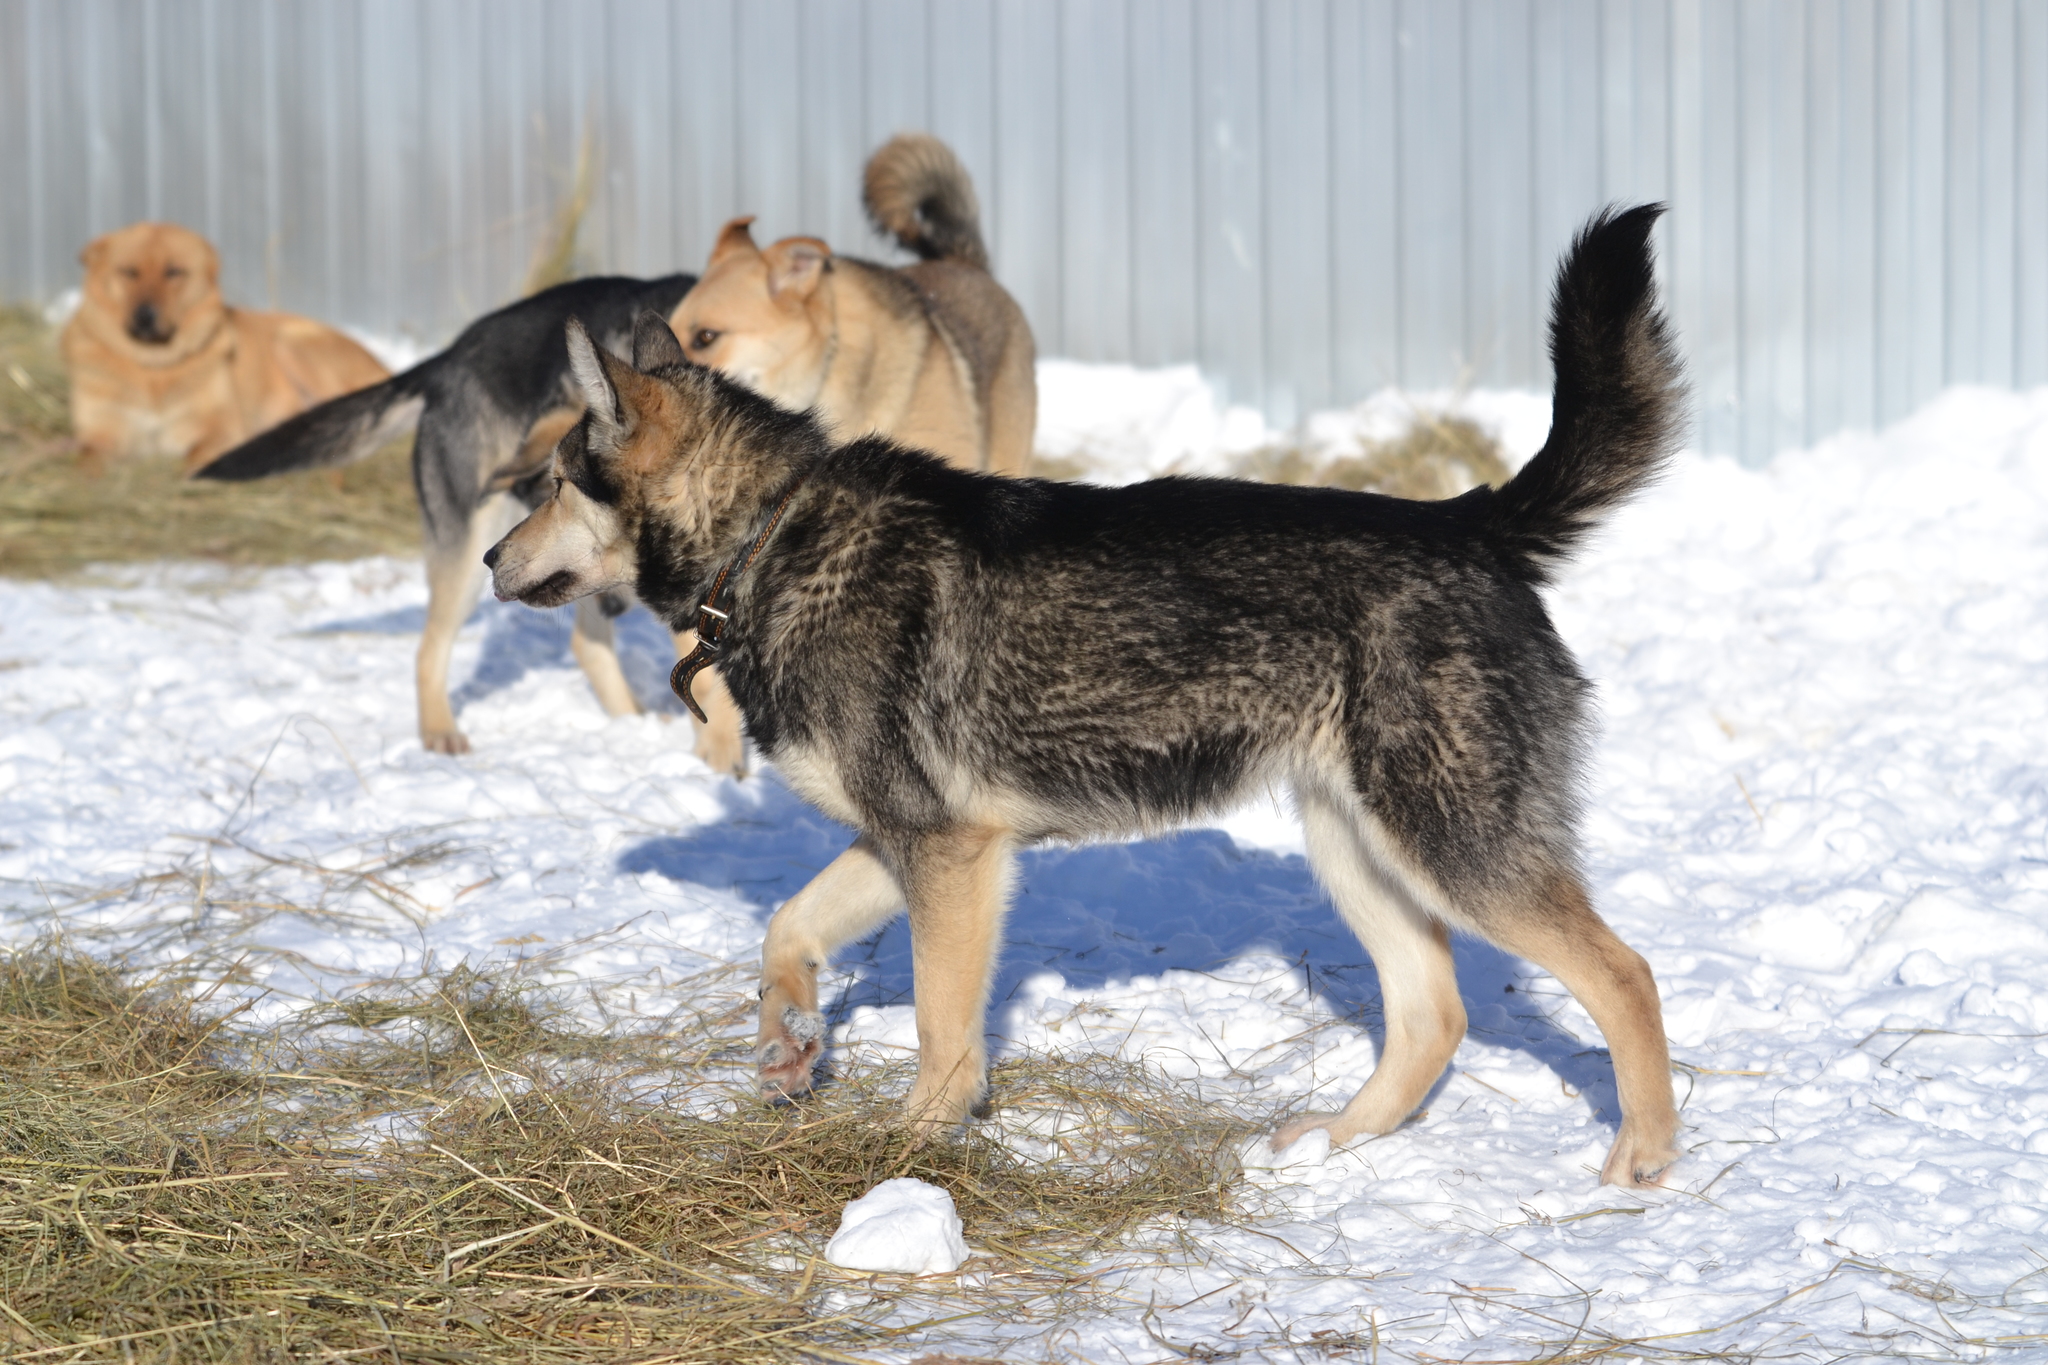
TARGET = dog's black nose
x,y
491,555
142,325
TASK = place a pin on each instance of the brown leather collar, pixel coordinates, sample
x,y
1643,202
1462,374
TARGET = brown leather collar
x,y
715,611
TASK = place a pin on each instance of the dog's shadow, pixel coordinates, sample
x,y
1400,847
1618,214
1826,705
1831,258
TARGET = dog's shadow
x,y
1192,901
519,640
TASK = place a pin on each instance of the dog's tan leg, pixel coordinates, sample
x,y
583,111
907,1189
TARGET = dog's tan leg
x,y
1560,932
958,886
1425,1019
593,643
454,576
721,744
855,893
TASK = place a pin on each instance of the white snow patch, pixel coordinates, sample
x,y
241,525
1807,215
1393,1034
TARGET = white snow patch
x,y
904,1226
1818,805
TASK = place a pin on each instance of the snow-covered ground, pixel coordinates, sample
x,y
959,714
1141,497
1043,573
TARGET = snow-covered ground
x,y
1820,808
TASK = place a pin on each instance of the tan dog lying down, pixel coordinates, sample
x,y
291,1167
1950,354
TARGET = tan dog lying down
x,y
935,355
162,366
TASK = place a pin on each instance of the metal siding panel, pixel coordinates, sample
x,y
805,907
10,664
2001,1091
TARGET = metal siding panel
x,y
1164,277
637,155
1504,271
1431,190
1566,86
1025,224
1713,332
1231,194
1095,176
1297,201
2030,207
768,124
1364,279
962,88
1996,129
832,131
18,95
707,171
1963,191
898,99
1850,248
1924,335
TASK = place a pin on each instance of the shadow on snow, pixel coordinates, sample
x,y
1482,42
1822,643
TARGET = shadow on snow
x,y
1104,913
519,640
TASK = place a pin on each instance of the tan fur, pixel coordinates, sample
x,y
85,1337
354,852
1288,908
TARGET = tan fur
x,y
935,355
207,376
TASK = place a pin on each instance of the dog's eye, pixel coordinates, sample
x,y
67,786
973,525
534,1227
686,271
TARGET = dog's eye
x,y
172,272
702,338
129,272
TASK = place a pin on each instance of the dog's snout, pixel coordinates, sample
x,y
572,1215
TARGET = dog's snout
x,y
491,555
145,325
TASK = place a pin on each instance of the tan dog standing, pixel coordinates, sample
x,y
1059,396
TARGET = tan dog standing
x,y
162,366
936,355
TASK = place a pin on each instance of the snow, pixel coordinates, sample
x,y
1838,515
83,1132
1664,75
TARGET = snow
x,y
1819,807
905,1226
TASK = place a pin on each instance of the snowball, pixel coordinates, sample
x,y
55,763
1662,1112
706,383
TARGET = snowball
x,y
903,1225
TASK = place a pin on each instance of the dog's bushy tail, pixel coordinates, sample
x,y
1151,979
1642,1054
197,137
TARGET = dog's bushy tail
x,y
1616,413
917,191
338,432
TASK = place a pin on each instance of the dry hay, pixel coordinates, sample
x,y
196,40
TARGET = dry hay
x,y
1439,455
56,518
451,1169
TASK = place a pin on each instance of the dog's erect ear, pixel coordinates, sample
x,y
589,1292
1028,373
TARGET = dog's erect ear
x,y
592,366
95,251
795,265
734,239
654,345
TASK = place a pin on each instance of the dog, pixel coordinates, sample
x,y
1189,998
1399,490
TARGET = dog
x,y
934,355
958,665
162,366
488,411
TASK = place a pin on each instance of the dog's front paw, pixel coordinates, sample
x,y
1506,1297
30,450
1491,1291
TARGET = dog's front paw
x,y
787,1056
1639,1159
444,741
1288,1133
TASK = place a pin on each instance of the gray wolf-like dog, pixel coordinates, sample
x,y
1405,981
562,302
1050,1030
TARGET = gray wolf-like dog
x,y
488,411
957,665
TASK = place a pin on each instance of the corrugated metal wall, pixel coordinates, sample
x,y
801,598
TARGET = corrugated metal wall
x,y
1313,198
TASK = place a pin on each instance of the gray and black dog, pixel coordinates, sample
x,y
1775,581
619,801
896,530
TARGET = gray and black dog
x,y
489,410
957,665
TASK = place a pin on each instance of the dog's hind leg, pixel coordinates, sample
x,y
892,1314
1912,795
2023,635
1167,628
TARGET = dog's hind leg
x,y
1425,1019
454,575
854,894
721,744
958,885
593,643
1557,928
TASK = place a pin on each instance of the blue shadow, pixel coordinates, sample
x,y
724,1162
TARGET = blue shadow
x,y
519,639
1104,913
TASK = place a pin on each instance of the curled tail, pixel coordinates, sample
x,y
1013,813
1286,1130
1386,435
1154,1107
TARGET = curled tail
x,y
338,432
917,191
1616,412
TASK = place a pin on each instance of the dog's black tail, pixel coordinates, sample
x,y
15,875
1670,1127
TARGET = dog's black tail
x,y
917,191
338,432
1616,413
